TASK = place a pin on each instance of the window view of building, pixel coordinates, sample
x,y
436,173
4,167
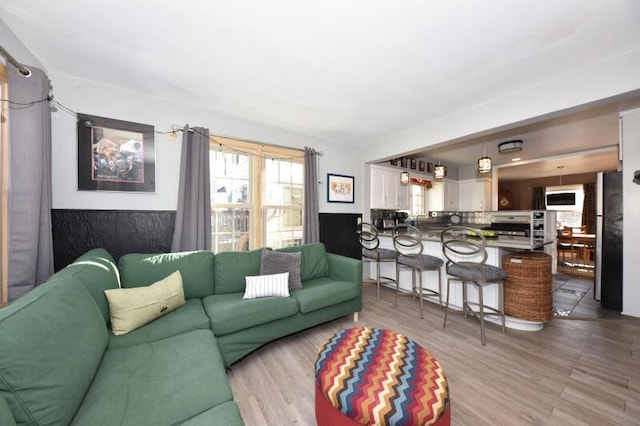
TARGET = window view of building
x,y
256,195
418,200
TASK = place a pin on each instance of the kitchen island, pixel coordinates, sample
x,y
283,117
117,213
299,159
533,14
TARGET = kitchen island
x,y
496,248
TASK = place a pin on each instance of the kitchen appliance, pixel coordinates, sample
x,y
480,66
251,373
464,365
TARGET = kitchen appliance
x,y
513,226
386,220
608,256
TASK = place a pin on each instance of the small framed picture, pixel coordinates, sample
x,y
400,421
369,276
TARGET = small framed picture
x,y
413,163
421,165
394,162
340,188
403,162
429,167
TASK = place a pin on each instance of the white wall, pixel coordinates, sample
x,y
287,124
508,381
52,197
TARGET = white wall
x,y
97,99
631,209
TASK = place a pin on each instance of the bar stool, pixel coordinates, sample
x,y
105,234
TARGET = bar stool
x,y
372,253
407,240
466,262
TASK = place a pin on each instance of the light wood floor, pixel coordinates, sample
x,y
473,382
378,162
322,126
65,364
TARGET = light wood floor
x,y
573,372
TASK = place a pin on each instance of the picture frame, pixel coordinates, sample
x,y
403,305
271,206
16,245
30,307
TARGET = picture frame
x,y
422,165
403,162
394,162
340,188
413,164
115,155
429,167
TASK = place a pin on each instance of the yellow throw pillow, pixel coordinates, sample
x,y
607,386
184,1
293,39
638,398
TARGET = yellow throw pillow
x,y
130,308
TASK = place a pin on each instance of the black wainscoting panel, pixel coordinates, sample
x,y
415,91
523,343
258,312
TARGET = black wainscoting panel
x,y
118,231
338,232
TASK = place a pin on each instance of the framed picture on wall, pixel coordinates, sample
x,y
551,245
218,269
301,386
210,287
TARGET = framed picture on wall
x,y
340,188
403,162
115,155
394,162
421,165
413,163
429,167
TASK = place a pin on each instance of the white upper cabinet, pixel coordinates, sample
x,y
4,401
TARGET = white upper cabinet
x,y
474,195
443,195
386,190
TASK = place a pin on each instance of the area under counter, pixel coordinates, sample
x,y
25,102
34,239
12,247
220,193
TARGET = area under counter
x,y
432,246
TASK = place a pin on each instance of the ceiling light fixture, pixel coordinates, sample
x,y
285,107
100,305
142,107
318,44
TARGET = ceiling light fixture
x,y
510,146
439,171
404,177
484,162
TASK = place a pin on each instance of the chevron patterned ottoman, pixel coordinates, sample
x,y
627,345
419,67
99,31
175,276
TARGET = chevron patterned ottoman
x,y
373,376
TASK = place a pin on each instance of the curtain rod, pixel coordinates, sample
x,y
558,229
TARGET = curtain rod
x,y
21,68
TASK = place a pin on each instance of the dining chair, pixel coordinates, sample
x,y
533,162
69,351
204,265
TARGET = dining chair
x,y
373,253
407,240
466,262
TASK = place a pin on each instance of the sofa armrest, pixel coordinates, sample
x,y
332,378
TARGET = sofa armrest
x,y
345,268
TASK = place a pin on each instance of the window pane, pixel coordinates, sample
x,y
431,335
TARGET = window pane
x,y
229,229
229,178
283,227
283,182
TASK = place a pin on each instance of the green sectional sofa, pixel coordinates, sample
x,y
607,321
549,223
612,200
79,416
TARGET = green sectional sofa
x,y
60,364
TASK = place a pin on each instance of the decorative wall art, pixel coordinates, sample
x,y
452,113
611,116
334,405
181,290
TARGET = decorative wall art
x,y
403,162
429,167
115,155
413,163
394,162
340,188
421,165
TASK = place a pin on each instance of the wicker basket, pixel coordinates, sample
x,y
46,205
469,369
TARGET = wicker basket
x,y
528,292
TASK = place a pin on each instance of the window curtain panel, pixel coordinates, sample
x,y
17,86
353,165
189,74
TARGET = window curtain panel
x,y
192,229
538,202
589,207
311,208
30,251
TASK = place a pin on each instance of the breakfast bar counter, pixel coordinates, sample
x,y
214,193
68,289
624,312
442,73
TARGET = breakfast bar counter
x,y
496,248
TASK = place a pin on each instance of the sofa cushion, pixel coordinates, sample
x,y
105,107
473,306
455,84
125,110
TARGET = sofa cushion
x,y
267,286
51,342
229,312
225,414
188,317
6,417
275,262
130,308
97,270
314,262
322,292
196,267
231,268
157,383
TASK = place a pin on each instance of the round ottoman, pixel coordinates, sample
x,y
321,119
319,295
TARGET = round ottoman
x,y
373,376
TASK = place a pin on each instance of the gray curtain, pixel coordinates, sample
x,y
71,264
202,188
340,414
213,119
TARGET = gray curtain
x,y
311,225
192,229
538,202
29,199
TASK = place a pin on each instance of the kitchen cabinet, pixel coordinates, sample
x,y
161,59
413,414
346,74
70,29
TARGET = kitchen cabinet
x,y
443,195
474,195
386,190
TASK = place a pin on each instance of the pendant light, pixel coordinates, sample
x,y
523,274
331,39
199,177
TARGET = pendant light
x,y
484,162
404,177
439,171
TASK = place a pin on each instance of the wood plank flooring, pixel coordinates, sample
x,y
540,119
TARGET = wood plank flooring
x,y
573,372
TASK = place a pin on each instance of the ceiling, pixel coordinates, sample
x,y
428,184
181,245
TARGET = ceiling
x,y
343,71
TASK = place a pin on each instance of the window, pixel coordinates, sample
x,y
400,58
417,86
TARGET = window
x,y
256,195
418,200
567,215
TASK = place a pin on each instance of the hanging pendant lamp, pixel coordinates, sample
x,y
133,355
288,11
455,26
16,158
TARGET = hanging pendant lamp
x,y
484,162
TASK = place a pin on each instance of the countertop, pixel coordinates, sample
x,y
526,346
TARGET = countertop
x,y
518,243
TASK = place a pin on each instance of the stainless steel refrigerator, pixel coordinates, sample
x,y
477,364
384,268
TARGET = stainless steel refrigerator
x,y
608,258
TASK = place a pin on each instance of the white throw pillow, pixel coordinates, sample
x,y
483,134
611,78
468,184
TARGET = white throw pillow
x,y
130,308
267,285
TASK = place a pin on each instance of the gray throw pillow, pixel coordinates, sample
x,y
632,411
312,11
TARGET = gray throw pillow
x,y
275,262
